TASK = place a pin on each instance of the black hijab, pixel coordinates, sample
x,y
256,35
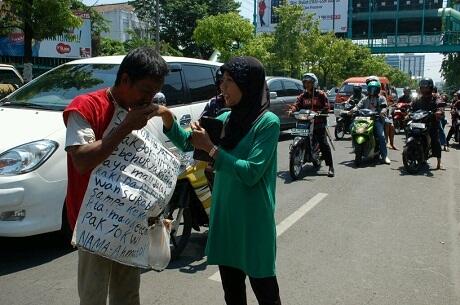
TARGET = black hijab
x,y
249,75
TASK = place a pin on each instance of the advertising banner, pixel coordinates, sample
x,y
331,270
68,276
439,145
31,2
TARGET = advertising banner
x,y
74,44
332,14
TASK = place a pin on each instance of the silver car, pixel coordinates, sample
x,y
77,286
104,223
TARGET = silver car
x,y
283,93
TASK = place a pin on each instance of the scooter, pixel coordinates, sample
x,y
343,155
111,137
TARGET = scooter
x,y
418,145
304,149
362,134
189,206
343,124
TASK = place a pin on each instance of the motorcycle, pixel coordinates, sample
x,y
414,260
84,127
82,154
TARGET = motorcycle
x,y
399,115
417,149
362,134
456,124
190,204
304,149
343,125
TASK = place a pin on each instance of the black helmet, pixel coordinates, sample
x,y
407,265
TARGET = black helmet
x,y
357,90
406,90
427,83
219,77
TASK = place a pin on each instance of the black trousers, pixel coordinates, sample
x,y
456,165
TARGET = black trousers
x,y
233,281
435,144
320,136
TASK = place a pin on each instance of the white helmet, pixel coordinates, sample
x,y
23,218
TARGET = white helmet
x,y
159,99
311,77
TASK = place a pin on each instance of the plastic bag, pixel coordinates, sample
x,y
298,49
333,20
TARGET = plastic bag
x,y
159,250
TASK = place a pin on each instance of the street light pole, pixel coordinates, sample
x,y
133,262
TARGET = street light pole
x,y
254,21
333,16
157,25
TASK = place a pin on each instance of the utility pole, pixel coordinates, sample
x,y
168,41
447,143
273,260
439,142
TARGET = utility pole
x,y
333,16
157,25
254,21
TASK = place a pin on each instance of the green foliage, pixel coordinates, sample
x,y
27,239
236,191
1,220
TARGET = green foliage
x,y
260,47
179,19
111,47
224,32
450,71
136,41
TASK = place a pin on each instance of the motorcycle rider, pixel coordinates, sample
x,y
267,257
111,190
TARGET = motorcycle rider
x,y
357,95
405,98
428,102
454,116
375,102
316,100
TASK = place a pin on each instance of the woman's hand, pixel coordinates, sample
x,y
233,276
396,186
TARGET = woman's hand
x,y
165,114
200,138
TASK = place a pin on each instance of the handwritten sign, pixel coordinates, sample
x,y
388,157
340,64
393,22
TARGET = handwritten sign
x,y
134,183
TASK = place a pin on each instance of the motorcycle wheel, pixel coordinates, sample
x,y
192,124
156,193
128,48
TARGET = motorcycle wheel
x,y
412,159
358,154
180,231
339,131
295,162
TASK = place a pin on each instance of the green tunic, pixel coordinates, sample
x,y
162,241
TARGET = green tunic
x,y
242,230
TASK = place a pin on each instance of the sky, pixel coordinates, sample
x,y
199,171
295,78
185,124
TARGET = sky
x,y
432,61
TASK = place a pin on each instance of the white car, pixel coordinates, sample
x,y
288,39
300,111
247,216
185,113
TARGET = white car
x,y
33,163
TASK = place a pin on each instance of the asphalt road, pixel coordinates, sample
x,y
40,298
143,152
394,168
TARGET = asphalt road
x,y
379,236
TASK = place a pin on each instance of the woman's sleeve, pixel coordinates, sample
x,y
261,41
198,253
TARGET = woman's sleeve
x,y
250,171
179,137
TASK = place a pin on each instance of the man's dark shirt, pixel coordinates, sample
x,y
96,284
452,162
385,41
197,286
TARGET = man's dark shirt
x,y
426,104
318,103
405,99
214,106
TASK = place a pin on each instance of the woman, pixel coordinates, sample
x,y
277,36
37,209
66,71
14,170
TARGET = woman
x,y
242,231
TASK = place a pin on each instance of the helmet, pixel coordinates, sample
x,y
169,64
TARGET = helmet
x,y
426,82
372,78
159,99
373,87
219,77
310,77
357,90
406,90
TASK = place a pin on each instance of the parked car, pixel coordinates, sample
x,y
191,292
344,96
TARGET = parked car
x,y
33,163
331,94
10,80
283,92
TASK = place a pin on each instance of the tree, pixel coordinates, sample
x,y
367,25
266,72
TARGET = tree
x,y
179,19
261,47
224,32
137,41
111,47
450,71
38,19
295,31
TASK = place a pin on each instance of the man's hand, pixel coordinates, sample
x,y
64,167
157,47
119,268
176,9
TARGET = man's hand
x,y
290,109
138,117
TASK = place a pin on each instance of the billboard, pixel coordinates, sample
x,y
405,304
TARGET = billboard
x,y
332,14
74,44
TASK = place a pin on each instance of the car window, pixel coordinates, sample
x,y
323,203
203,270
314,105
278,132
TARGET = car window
x,y
348,88
9,77
173,88
200,80
300,87
291,88
57,88
276,86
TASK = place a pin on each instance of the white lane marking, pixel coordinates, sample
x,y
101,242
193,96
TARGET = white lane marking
x,y
288,222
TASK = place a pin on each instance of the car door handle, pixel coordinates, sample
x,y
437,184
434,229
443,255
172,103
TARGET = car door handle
x,y
185,120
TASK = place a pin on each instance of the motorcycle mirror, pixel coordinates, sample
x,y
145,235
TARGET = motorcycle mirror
x,y
273,95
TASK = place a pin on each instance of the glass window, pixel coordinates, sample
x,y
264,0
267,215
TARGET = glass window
x,y
200,80
57,88
173,88
276,86
291,88
9,77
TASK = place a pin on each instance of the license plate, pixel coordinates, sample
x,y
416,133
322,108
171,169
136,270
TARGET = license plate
x,y
397,111
363,118
298,131
418,125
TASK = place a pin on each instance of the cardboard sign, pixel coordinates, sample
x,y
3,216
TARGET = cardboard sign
x,y
134,183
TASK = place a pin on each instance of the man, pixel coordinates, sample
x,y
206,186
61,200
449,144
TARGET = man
x,y
217,103
405,98
428,102
454,117
140,75
316,100
357,95
375,102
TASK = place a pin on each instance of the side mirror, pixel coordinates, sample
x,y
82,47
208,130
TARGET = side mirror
x,y
273,95
336,90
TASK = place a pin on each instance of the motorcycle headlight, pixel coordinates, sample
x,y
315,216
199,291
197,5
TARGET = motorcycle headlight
x,y
361,130
26,158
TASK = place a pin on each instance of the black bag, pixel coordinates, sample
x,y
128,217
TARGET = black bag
x,y
214,129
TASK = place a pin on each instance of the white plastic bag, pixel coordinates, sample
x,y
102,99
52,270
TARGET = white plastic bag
x,y
159,251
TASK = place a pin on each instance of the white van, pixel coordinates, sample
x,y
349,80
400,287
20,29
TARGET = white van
x,y
33,163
